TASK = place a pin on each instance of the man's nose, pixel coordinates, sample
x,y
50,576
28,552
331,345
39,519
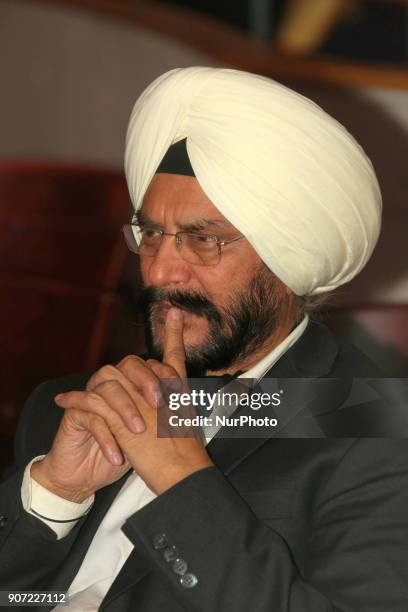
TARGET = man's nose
x,y
167,267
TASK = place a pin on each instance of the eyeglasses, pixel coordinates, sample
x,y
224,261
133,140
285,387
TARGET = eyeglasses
x,y
195,248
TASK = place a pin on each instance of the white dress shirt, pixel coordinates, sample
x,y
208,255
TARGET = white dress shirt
x,y
110,547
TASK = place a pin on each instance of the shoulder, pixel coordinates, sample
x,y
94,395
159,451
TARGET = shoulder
x,y
342,392
40,417
379,466
318,352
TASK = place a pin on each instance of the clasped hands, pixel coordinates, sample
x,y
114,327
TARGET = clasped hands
x,y
112,427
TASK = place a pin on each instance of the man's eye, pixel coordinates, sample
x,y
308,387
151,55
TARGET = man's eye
x,y
150,233
204,238
201,242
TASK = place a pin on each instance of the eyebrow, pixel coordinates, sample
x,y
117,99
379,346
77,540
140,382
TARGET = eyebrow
x,y
197,224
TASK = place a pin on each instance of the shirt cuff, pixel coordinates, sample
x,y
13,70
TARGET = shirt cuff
x,y
38,498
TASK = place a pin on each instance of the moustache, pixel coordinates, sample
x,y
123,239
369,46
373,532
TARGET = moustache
x,y
192,302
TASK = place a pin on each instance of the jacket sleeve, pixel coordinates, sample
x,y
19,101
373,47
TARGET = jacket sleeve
x,y
355,559
29,549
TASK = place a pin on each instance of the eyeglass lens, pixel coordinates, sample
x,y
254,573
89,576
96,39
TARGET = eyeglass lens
x,y
194,248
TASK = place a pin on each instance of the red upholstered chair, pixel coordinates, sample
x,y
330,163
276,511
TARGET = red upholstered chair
x,y
61,257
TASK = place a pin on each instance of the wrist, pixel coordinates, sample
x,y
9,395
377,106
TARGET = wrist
x,y
173,476
40,473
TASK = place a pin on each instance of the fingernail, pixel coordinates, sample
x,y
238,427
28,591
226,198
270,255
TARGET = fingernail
x,y
116,459
154,398
159,400
175,314
138,425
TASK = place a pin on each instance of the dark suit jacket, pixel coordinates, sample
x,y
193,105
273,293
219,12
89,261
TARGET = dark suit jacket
x,y
279,525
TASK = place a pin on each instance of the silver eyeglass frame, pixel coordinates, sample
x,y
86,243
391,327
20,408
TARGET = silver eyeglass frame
x,y
137,237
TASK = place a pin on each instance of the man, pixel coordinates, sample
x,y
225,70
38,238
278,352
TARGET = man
x,y
250,201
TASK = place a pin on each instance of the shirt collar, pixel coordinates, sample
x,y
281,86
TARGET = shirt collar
x,y
259,370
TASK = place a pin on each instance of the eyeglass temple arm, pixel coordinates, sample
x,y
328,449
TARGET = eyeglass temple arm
x,y
229,241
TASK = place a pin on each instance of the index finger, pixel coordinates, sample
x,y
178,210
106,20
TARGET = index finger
x,y
174,353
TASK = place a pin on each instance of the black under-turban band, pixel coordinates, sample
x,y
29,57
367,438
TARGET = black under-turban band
x,y
176,160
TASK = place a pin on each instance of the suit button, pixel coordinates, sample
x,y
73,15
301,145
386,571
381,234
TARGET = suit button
x,y
188,581
3,522
170,553
160,541
180,567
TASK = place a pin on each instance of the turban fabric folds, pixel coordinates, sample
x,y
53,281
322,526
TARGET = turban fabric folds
x,y
280,169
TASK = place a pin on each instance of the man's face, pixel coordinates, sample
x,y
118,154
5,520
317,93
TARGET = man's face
x,y
218,302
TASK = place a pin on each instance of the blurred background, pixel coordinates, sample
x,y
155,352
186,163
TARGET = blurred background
x,y
70,73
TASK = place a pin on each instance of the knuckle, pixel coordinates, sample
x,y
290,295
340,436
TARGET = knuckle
x,y
133,368
91,384
107,372
130,361
163,369
109,387
94,381
94,400
153,363
138,373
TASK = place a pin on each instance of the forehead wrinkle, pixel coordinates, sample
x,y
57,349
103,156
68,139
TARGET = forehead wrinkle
x,y
194,224
197,224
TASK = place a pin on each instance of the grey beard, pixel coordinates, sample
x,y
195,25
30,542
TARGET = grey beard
x,y
233,334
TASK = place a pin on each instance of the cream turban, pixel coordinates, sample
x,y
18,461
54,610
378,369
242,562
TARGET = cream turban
x,y
280,169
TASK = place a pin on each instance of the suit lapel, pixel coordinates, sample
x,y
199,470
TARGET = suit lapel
x,y
312,356
134,569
